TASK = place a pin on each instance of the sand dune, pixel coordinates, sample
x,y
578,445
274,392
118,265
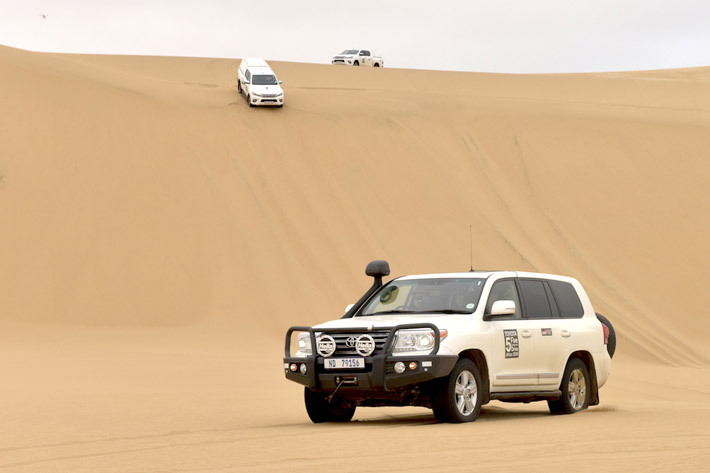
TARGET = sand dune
x,y
158,236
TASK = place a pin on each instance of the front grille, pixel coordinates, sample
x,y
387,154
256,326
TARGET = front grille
x,y
269,95
338,60
341,347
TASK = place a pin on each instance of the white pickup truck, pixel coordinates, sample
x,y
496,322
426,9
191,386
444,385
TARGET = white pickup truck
x,y
453,342
358,57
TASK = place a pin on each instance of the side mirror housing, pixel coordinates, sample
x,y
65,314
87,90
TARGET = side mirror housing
x,y
350,306
246,81
281,82
503,308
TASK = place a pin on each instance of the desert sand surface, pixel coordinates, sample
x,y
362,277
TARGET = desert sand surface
x,y
158,237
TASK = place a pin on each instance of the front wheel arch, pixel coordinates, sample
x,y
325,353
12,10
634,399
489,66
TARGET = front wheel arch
x,y
479,359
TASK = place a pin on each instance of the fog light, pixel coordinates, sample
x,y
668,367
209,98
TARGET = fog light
x,y
399,367
413,365
303,369
293,367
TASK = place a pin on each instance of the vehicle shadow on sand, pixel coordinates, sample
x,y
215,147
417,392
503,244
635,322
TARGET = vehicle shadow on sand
x,y
488,414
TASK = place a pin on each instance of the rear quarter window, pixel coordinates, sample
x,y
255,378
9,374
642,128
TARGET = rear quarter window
x,y
567,299
537,306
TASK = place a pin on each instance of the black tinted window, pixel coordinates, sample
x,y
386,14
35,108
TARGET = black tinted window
x,y
567,299
536,303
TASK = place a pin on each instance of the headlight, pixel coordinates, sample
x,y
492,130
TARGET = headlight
x,y
304,345
419,341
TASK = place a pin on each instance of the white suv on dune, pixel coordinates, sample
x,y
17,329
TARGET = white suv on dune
x,y
259,84
453,342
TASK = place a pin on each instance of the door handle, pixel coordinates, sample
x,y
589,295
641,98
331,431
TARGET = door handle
x,y
565,333
526,333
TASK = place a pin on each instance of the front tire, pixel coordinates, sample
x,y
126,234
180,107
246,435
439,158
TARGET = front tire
x,y
575,389
356,63
249,100
377,64
457,397
320,410
239,86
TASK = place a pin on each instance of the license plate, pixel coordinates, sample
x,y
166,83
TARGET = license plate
x,y
340,363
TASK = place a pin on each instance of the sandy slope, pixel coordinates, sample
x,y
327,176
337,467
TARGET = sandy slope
x,y
158,236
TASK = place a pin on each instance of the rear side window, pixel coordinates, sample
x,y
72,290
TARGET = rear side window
x,y
567,299
536,303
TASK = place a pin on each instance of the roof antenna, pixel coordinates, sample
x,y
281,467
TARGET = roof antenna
x,y
470,238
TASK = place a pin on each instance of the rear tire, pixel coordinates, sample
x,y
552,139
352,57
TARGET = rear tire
x,y
611,343
320,410
575,387
239,86
457,397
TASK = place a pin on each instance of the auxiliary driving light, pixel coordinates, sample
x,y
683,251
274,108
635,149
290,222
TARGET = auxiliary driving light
x,y
293,367
399,367
413,365
303,368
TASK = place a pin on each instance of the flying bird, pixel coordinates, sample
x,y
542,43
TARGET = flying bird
x,y
44,15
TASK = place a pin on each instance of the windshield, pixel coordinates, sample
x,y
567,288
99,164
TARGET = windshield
x,y
425,296
349,51
264,80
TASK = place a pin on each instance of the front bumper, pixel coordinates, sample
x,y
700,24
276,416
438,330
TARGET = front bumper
x,y
270,101
378,374
342,62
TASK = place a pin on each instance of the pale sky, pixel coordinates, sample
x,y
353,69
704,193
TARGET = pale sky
x,y
467,35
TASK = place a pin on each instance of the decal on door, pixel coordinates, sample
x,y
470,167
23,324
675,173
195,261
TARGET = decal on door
x,y
546,332
512,347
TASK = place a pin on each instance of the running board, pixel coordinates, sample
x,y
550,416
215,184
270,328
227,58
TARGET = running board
x,y
527,396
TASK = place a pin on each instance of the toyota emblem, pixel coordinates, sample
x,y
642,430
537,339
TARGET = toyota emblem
x,y
350,342
365,345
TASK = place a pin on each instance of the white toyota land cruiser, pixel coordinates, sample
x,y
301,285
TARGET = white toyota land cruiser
x,y
453,342
358,57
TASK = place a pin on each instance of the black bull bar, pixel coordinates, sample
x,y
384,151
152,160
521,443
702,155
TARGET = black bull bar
x,y
377,378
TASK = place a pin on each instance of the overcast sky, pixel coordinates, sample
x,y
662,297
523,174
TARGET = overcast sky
x,y
468,35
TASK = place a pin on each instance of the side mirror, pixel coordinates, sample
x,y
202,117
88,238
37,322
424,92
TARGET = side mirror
x,y
350,306
246,82
281,82
503,308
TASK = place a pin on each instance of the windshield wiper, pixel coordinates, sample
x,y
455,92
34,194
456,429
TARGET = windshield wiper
x,y
429,311
394,312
